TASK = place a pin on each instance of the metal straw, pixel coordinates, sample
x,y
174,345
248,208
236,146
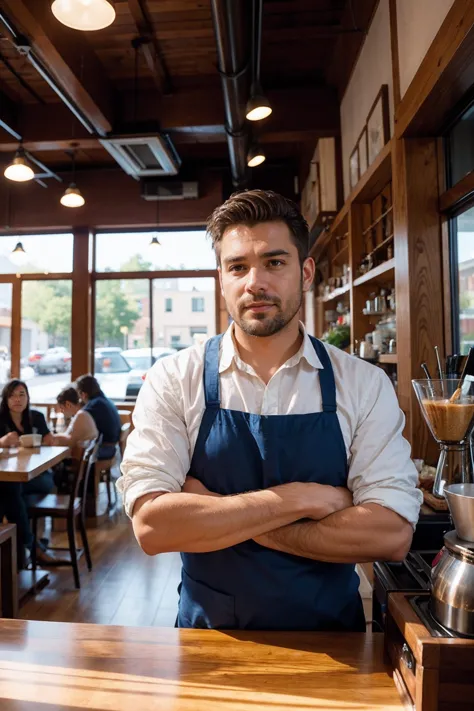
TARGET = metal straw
x,y
438,360
426,371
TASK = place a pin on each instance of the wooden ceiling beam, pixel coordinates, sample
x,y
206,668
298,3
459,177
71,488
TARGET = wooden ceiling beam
x,y
149,45
299,114
68,58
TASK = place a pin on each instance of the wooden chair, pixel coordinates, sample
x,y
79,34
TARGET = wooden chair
x,y
104,466
8,571
71,507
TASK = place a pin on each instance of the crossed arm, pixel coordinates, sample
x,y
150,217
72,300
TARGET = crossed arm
x,y
197,520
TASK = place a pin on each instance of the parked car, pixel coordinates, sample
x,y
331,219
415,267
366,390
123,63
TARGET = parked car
x,y
34,358
112,372
140,360
55,360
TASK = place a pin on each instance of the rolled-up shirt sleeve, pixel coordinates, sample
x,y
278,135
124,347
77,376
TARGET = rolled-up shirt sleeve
x,y
380,468
157,455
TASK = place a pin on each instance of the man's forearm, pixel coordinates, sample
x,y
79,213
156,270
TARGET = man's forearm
x,y
190,523
357,534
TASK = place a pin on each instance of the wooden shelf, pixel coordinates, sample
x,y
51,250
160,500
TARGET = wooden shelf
x,y
341,251
375,177
376,272
336,293
388,358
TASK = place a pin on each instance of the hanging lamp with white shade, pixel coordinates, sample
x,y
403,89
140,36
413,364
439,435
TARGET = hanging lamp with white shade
x,y
72,196
19,170
258,106
84,15
155,242
18,255
255,156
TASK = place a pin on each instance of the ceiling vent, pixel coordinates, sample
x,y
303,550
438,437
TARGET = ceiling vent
x,y
143,156
172,190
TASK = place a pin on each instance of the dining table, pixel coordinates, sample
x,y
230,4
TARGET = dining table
x,y
50,665
20,465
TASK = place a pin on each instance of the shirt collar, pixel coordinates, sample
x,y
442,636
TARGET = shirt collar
x,y
230,353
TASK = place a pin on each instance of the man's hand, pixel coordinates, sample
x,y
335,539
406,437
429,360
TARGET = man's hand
x,y
320,500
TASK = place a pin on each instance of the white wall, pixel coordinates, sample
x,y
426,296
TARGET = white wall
x,y
418,22
373,69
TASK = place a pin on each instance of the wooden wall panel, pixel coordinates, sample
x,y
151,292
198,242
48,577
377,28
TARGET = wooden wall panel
x,y
112,201
419,277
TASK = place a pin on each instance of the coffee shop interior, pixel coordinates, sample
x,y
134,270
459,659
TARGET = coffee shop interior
x,y
123,125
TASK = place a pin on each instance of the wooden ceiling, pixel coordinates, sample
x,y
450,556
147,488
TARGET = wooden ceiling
x,y
171,79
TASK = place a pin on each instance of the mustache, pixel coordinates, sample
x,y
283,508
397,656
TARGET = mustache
x,y
264,299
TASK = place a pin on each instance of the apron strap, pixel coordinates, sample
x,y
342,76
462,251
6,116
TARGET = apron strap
x,y
326,377
211,372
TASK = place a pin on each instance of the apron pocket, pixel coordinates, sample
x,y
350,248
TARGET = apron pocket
x,y
204,608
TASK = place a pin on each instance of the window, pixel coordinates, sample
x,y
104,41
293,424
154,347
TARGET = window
x,y
5,335
46,308
197,304
460,144
168,305
122,332
43,254
186,325
462,263
131,251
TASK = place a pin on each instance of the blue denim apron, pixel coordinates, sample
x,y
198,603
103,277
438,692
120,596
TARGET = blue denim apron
x,y
249,586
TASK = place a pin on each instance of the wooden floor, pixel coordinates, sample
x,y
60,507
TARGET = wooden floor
x,y
125,587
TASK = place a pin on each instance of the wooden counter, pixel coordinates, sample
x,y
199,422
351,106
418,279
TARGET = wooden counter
x,y
47,665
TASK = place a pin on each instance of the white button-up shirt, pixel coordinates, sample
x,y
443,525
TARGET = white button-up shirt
x,y
171,404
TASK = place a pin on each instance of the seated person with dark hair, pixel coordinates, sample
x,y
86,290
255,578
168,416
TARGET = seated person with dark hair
x,y
82,427
16,419
103,412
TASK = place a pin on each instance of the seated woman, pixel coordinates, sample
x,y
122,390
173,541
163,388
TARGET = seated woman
x,y
16,419
82,427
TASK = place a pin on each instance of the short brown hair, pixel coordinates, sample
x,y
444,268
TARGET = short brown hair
x,y
68,394
89,385
252,207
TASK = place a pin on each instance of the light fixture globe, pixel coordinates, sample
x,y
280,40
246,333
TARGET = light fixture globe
x,y
18,255
258,106
72,197
85,15
255,157
19,171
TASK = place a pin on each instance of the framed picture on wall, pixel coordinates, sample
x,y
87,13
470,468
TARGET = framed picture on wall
x,y
354,173
362,146
378,125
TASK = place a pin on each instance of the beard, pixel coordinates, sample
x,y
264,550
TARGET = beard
x,y
266,324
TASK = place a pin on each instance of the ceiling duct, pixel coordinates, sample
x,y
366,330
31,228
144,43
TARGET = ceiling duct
x,y
152,190
143,156
233,31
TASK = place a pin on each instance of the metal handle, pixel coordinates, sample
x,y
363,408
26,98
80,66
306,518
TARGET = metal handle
x,y
407,657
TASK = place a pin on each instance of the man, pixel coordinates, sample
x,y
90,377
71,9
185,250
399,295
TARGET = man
x,y
272,462
103,412
82,427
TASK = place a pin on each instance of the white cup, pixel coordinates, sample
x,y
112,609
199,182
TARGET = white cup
x,y
31,440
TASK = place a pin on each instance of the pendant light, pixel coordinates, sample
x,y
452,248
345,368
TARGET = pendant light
x,y
155,242
19,169
85,15
18,255
255,156
258,106
72,196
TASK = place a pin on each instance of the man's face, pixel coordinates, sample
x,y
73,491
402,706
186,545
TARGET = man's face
x,y
261,278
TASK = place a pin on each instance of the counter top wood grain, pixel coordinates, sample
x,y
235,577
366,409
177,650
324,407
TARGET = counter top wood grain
x,y
47,665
